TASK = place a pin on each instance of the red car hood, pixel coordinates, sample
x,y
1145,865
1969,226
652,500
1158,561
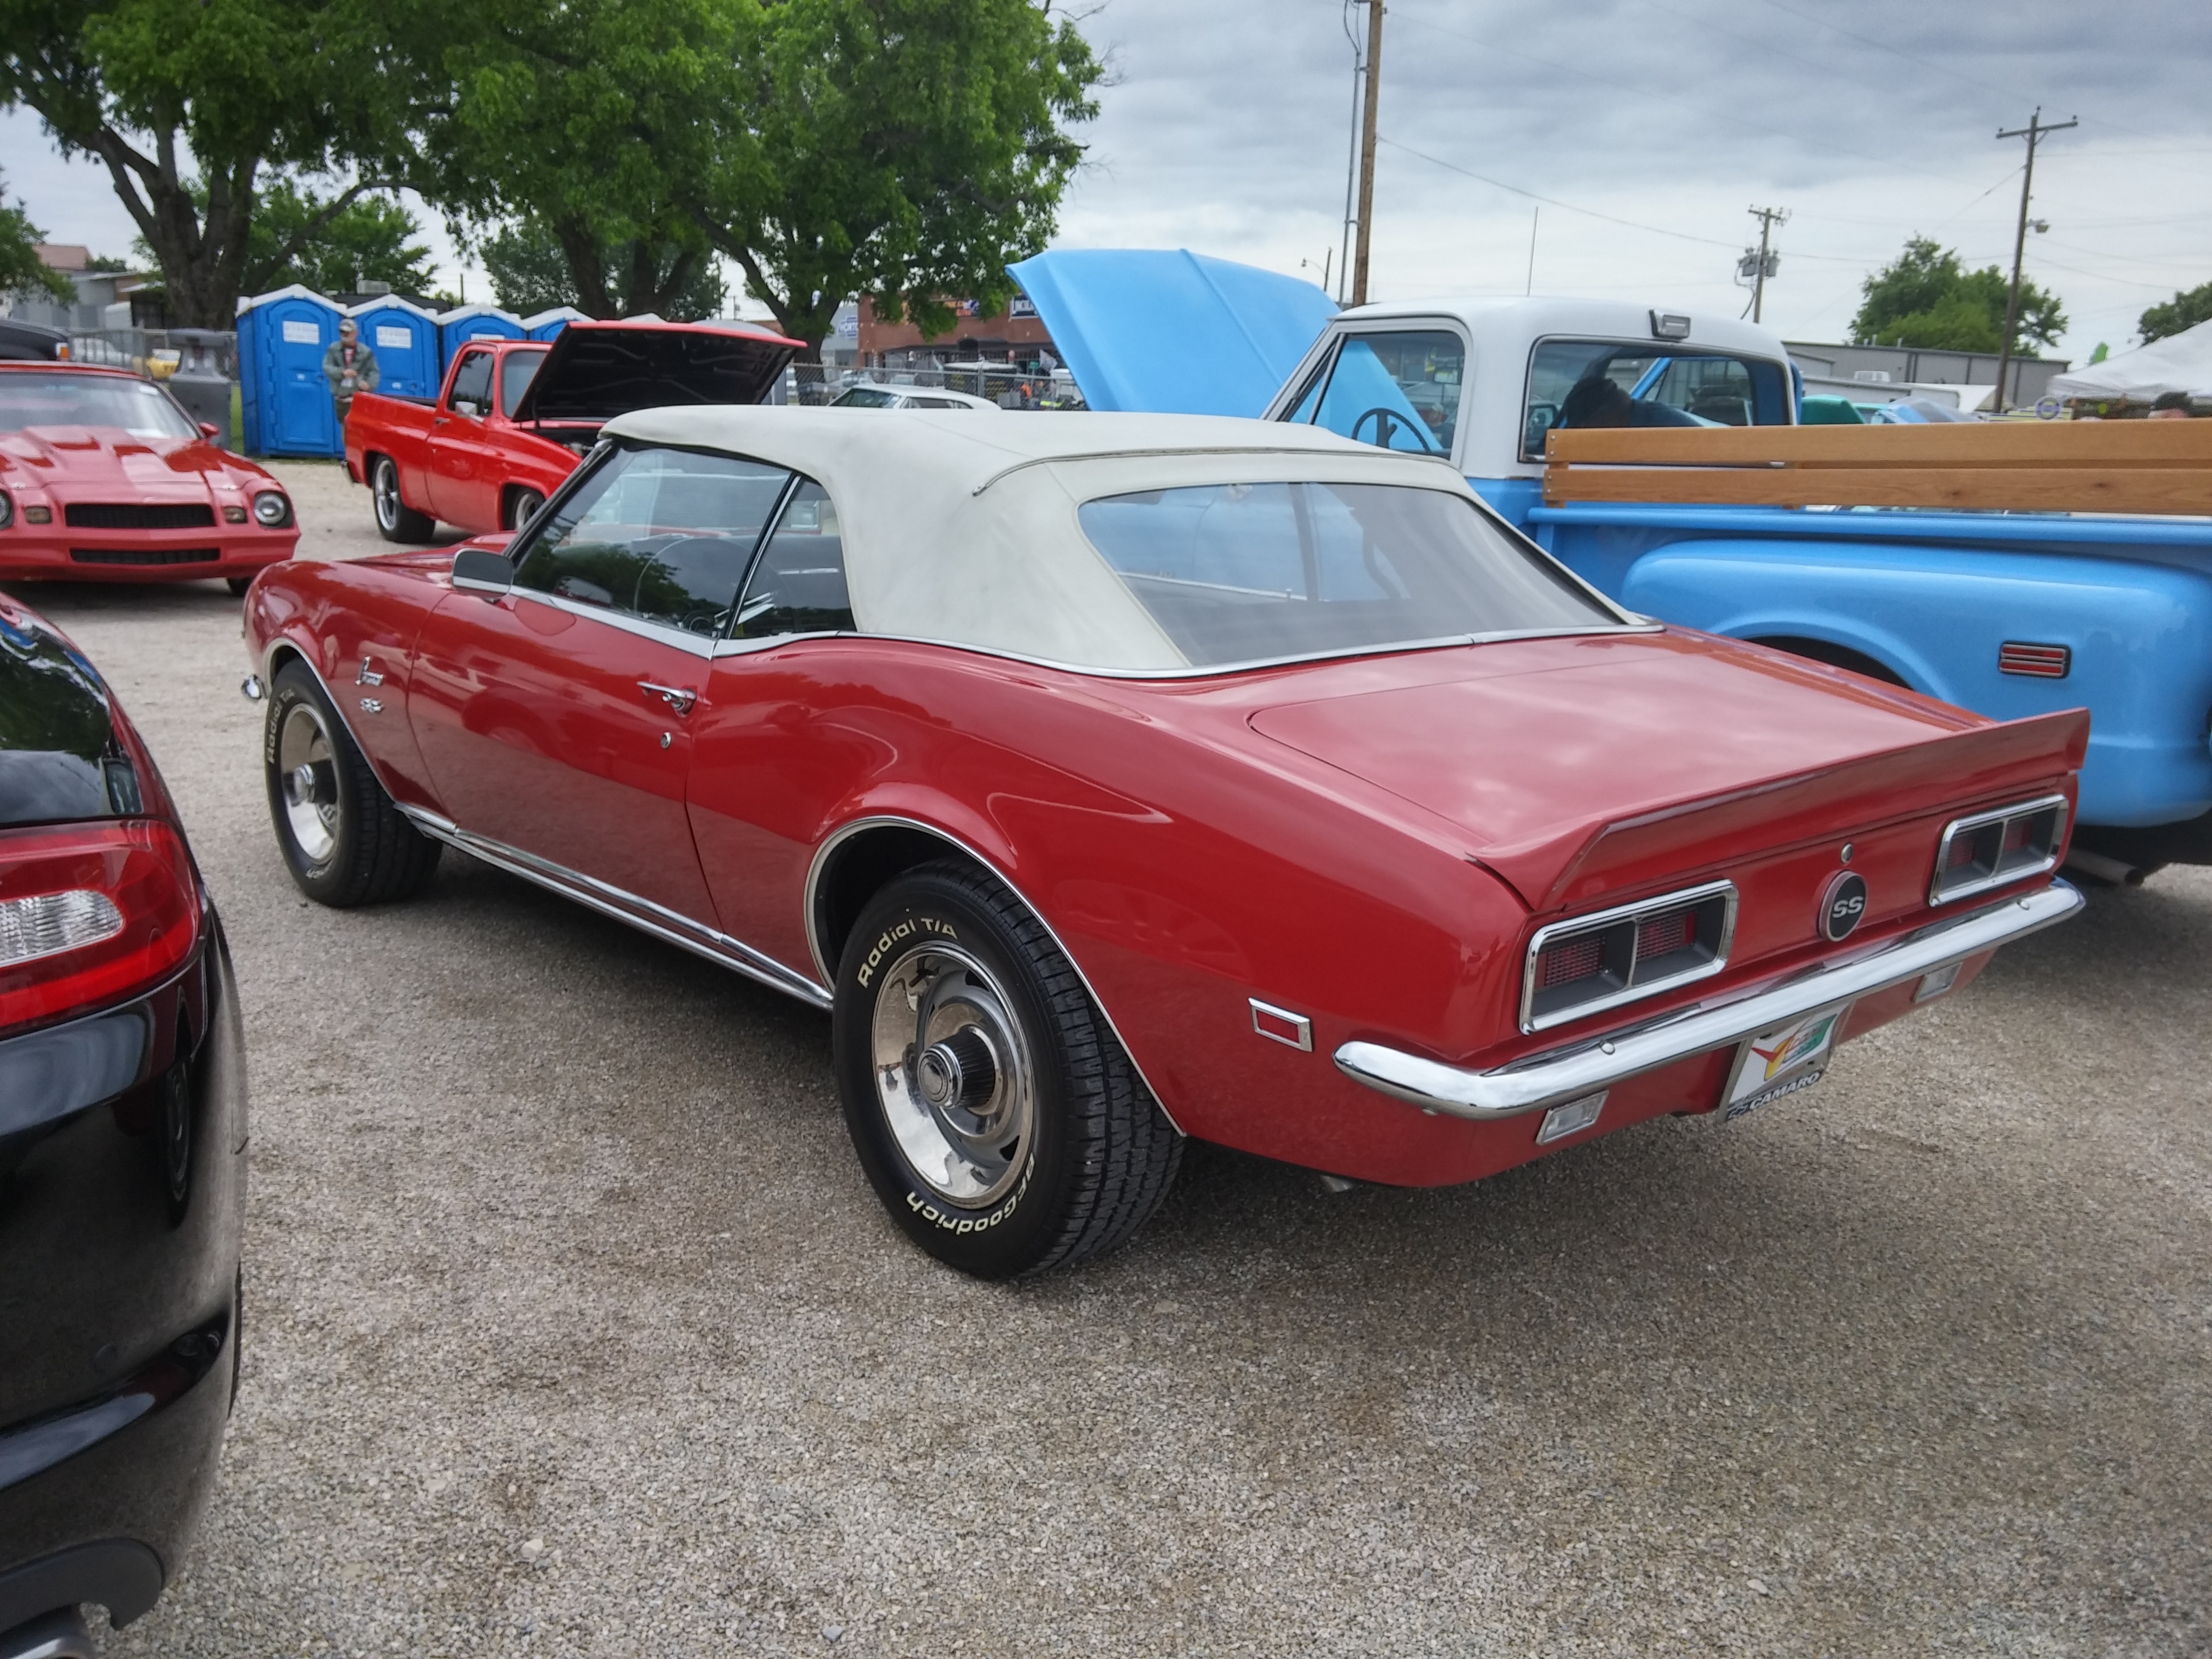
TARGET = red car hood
x,y
108,463
1570,764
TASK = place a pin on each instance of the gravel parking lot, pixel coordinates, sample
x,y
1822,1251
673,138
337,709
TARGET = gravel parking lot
x,y
573,1328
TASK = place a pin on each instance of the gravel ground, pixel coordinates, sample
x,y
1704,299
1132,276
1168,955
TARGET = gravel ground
x,y
573,1328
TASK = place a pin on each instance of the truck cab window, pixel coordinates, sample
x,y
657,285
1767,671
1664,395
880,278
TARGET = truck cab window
x,y
1588,383
1397,389
472,384
664,535
515,375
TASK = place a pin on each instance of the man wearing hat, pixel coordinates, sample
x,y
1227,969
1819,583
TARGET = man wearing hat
x,y
349,367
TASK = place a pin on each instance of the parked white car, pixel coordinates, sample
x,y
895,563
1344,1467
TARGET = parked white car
x,y
895,397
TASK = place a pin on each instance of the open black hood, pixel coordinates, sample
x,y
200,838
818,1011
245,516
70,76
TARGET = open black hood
x,y
597,371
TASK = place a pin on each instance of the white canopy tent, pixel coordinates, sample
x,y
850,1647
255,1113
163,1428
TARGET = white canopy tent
x,y
2181,362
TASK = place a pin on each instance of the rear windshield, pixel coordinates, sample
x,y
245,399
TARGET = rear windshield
x,y
868,396
1246,572
58,756
28,398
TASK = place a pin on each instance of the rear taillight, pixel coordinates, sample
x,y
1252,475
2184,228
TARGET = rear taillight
x,y
1992,848
90,915
1593,963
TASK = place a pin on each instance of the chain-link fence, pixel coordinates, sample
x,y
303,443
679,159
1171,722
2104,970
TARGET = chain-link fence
x,y
1003,384
199,365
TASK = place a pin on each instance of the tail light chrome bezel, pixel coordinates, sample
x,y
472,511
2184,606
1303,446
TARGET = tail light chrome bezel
x,y
1633,988
1996,872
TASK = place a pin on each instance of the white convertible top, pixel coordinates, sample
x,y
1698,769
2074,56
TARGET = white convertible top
x,y
964,530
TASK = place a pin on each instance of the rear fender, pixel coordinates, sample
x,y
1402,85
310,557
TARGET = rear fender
x,y
2139,633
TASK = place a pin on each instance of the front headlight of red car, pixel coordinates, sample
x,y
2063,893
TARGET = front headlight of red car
x,y
271,510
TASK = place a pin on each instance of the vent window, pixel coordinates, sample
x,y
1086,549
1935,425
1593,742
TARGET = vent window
x,y
1992,848
1590,964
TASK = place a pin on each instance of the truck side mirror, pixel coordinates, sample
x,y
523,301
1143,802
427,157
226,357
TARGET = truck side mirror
x,y
483,572
466,406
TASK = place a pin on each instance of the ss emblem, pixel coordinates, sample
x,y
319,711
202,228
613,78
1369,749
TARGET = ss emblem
x,y
1842,906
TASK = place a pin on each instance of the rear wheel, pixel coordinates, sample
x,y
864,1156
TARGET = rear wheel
x,y
1836,656
344,841
992,1107
396,521
237,585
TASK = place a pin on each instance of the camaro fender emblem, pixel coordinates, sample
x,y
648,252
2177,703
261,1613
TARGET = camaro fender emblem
x,y
1842,906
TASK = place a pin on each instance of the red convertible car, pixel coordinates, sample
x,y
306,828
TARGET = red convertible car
x,y
1113,779
514,417
103,477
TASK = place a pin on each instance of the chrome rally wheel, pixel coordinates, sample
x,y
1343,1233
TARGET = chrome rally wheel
x,y
990,1103
307,776
953,1075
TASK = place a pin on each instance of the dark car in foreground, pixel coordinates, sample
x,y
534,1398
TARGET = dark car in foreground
x,y
122,1158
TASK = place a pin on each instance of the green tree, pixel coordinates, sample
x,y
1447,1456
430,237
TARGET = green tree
x,y
905,149
293,238
174,94
1926,298
588,122
531,272
2182,311
21,270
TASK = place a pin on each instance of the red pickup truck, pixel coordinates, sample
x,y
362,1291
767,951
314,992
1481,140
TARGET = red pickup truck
x,y
514,417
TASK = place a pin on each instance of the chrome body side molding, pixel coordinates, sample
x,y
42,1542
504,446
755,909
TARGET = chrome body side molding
x,y
845,832
668,926
1541,1081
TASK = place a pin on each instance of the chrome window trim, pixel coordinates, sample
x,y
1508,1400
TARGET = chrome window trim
x,y
698,645
1958,827
671,927
1598,919
846,831
1540,1081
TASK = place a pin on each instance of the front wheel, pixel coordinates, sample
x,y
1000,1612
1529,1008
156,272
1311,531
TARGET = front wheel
x,y
994,1110
396,521
344,841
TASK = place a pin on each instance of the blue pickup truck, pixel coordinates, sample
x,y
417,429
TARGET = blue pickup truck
x,y
2011,614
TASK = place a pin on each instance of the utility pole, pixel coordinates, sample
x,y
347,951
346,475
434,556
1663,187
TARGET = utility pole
x,y
1351,161
1768,218
2035,132
1367,151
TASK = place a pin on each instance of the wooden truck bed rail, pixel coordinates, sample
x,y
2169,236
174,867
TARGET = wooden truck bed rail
x,y
2090,466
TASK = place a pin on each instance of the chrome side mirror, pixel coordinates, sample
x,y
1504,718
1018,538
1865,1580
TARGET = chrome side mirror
x,y
483,572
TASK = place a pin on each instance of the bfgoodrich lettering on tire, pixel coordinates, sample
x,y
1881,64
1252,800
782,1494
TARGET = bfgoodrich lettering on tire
x,y
996,1115
344,841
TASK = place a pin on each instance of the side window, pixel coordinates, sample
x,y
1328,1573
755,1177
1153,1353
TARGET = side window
x,y
473,381
660,534
1400,390
1587,383
799,585
514,378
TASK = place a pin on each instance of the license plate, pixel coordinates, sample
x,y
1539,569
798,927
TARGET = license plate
x,y
1782,1061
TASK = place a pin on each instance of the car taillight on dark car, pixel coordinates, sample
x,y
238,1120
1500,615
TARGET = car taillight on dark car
x,y
91,914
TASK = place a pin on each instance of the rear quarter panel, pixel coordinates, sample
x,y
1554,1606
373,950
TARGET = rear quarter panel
x,y
397,427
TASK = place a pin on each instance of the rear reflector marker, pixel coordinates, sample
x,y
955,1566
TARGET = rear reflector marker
x,y
1571,1119
50,923
1294,1030
2042,662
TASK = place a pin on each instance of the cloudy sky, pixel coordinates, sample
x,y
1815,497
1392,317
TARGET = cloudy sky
x,y
1648,127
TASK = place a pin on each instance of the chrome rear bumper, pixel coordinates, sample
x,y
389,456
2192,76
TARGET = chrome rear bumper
x,y
1545,1080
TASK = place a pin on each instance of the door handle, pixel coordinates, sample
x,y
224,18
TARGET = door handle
x,y
678,697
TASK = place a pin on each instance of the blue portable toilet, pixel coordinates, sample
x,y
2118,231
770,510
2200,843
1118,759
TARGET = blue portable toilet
x,y
547,324
473,323
404,338
286,401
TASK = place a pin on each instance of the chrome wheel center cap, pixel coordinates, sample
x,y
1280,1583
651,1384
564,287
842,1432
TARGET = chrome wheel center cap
x,y
959,1074
299,785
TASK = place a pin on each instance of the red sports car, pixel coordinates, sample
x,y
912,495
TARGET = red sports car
x,y
1112,779
103,477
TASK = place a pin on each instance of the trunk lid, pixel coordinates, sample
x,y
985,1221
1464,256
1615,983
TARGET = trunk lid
x,y
596,371
1575,768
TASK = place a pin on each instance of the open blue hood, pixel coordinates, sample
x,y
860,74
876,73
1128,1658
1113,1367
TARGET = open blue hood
x,y
1173,332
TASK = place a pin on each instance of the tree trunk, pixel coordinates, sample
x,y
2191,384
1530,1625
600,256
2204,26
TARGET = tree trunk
x,y
587,269
203,262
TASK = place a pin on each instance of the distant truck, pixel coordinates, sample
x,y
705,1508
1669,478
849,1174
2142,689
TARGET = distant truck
x,y
2016,611
514,417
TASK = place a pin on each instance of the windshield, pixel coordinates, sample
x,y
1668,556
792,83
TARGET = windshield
x,y
76,399
514,378
1246,572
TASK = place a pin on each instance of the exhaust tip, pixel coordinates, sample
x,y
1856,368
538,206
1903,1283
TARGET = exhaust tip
x,y
253,690
60,1635
2113,872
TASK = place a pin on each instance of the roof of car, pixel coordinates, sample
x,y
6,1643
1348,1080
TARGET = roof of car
x,y
966,530
46,366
